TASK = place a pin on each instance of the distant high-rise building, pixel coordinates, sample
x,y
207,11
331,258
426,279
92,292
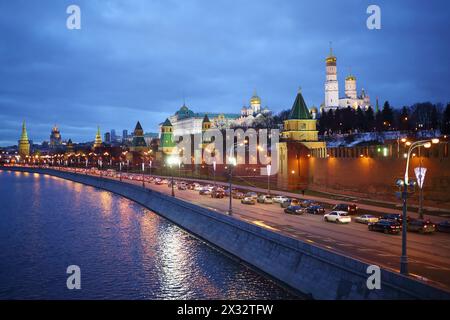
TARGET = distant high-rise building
x,y
55,137
124,134
24,143
107,137
113,135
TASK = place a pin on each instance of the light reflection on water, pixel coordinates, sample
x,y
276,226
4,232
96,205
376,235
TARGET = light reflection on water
x,y
124,251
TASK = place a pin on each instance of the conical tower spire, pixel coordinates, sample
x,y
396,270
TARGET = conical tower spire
x,y
24,143
98,138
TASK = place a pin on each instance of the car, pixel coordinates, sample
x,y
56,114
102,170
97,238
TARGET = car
x,y
253,195
238,195
349,208
337,216
386,226
443,226
248,200
204,192
367,218
316,209
182,186
294,210
264,198
395,216
308,203
279,199
197,187
421,226
290,202
217,193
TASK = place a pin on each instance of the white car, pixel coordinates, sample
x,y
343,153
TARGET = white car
x,y
337,217
366,218
280,199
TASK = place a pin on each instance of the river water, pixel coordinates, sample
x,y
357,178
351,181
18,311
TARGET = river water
x,y
124,251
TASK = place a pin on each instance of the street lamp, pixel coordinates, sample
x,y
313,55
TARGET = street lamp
x,y
269,168
412,146
171,161
214,170
232,161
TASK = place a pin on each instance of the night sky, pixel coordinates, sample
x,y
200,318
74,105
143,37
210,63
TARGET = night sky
x,y
138,59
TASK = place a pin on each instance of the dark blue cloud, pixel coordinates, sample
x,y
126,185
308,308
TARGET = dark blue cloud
x,y
137,60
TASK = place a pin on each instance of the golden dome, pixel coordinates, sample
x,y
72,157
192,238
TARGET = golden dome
x,y
330,59
313,110
255,99
350,77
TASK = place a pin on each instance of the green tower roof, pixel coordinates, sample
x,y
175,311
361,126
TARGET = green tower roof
x,y
299,109
206,119
167,123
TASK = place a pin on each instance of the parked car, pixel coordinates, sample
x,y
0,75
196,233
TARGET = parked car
x,y
316,209
204,192
253,195
421,226
264,198
248,200
294,210
337,216
349,208
367,218
386,226
217,193
238,195
290,202
279,199
443,226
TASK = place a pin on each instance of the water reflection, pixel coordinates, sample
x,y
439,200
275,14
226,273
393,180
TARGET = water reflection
x,y
123,250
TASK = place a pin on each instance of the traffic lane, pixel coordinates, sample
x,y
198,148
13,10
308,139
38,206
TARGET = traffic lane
x,y
372,208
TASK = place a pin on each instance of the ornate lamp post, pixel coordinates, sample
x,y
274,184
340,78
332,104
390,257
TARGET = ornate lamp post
x,y
412,146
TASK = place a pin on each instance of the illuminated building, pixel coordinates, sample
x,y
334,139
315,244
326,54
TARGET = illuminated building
x,y
24,143
55,138
98,139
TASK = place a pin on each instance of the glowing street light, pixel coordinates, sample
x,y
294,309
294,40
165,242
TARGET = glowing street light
x,y
171,161
412,146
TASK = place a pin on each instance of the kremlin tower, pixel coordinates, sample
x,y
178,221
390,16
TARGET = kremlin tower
x,y
98,139
24,143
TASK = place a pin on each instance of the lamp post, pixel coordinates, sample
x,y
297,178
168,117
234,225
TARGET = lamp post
x,y
172,161
214,171
412,146
143,176
269,168
120,170
232,163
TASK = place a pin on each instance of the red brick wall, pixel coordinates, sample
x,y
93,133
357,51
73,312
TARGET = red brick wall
x,y
375,177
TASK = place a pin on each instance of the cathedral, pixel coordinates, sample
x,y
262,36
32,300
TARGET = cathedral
x,y
350,98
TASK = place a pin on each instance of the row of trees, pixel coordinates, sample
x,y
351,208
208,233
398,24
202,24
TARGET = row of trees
x,y
420,116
